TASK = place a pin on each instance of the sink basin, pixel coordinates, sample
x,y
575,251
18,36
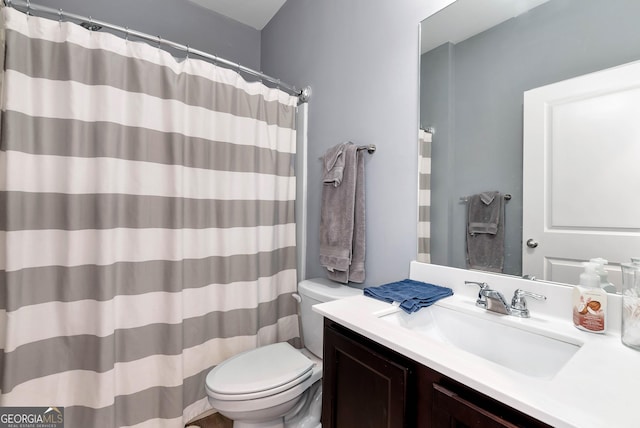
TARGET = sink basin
x,y
529,353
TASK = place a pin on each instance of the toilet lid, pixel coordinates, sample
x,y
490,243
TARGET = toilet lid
x,y
259,371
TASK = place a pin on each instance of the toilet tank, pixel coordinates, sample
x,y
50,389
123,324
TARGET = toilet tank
x,y
312,292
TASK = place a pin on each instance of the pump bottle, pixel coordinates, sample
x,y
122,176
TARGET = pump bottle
x,y
602,273
589,301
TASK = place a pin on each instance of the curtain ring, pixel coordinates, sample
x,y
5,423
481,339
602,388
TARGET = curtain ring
x,y
159,41
126,34
187,52
28,7
59,16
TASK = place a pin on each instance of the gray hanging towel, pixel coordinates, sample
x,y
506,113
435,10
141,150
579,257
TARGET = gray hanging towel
x,y
485,231
342,220
355,273
484,215
333,165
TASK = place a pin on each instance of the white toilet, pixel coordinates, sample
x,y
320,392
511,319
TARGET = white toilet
x,y
277,385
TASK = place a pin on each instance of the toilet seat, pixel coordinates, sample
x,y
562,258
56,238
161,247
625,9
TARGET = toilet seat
x,y
259,373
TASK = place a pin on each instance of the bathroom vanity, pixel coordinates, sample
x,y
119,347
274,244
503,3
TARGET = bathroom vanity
x,y
455,364
366,384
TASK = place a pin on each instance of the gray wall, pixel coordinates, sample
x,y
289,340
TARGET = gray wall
x,y
177,20
361,59
482,138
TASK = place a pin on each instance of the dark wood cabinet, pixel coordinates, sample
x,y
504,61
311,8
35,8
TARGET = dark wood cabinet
x,y
366,385
451,410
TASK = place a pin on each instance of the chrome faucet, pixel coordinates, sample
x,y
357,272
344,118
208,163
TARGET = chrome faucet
x,y
519,304
493,300
481,302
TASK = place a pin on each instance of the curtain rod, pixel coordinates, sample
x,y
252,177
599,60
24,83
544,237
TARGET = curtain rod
x,y
93,25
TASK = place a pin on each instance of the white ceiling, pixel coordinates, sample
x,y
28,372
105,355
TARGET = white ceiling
x,y
255,13
466,18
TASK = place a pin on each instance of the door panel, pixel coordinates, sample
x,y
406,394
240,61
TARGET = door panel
x,y
580,174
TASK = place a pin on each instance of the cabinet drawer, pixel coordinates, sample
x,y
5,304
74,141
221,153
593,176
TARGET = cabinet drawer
x,y
451,410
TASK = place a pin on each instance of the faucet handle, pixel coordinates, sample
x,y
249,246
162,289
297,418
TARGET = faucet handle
x,y
482,285
519,304
481,301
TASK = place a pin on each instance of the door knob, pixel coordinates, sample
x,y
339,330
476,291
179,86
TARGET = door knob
x,y
531,243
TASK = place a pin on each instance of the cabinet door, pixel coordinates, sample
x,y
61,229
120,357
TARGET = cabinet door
x,y
452,411
361,388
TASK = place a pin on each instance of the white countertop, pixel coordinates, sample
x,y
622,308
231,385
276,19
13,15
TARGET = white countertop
x,y
598,387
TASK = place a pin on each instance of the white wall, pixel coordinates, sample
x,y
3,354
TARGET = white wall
x,y
361,59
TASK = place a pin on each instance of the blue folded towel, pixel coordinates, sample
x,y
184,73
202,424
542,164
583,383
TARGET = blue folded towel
x,y
411,294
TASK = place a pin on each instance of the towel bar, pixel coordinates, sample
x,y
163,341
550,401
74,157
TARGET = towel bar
x,y
465,199
371,148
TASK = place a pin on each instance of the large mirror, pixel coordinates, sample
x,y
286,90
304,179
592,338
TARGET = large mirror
x,y
478,58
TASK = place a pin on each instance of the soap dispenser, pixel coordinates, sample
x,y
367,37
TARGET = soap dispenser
x,y
603,274
589,301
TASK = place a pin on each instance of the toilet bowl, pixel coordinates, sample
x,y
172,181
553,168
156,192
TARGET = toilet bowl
x,y
269,387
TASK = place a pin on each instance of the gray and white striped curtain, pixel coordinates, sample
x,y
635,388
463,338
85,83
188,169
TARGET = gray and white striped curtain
x,y
148,227
424,196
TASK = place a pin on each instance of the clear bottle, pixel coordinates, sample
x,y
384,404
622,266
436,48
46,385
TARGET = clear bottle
x,y
631,304
589,301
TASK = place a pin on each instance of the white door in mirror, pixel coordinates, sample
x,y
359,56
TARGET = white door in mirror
x,y
581,140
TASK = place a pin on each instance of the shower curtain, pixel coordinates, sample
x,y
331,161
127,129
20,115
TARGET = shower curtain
x,y
148,227
424,196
